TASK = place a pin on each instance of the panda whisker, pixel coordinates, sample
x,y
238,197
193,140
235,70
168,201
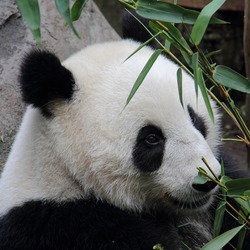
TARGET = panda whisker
x,y
191,203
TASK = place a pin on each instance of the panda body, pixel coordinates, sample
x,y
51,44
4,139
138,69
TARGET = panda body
x,y
86,173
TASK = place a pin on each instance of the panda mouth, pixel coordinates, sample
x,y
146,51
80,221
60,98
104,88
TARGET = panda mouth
x,y
191,205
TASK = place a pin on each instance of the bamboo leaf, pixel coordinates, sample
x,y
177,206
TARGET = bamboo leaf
x,y
222,168
64,10
195,63
158,247
31,14
176,34
77,8
200,179
203,20
244,202
179,42
167,45
219,216
221,240
238,186
168,12
179,82
143,74
241,238
175,41
166,35
231,79
204,93
247,193
224,179
142,45
212,53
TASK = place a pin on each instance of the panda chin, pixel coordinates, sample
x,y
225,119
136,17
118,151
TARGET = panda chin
x,y
196,204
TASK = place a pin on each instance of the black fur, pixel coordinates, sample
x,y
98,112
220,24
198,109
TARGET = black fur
x,y
197,121
89,225
149,149
92,225
132,28
205,187
43,79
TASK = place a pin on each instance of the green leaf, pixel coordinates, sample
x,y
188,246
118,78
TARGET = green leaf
x,y
175,39
244,203
224,179
179,42
241,238
77,8
200,179
203,20
167,45
31,14
222,168
221,240
64,10
143,74
238,186
166,35
142,45
231,79
168,12
247,193
158,247
195,63
204,93
212,53
179,82
219,216
176,34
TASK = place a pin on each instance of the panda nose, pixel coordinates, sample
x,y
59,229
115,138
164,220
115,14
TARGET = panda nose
x,y
206,187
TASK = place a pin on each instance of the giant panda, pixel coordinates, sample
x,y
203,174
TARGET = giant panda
x,y
86,172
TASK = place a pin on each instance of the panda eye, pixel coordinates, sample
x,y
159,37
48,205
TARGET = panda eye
x,y
152,139
149,149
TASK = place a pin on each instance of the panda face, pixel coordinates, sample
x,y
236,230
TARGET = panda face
x,y
139,158
143,155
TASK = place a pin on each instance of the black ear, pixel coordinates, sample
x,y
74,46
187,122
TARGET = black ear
x,y
133,29
43,79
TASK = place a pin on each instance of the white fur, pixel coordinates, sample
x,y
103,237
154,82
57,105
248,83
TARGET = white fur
x,y
87,147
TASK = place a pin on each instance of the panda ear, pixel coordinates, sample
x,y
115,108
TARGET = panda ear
x,y
138,32
44,79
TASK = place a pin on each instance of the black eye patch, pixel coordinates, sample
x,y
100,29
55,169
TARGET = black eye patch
x,y
197,121
149,149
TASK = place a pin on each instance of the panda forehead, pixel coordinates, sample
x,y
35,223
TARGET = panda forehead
x,y
99,62
98,67
105,82
113,83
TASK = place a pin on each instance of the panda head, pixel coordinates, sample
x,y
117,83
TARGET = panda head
x,y
139,158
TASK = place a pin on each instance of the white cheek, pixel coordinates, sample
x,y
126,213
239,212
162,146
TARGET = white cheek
x,y
179,167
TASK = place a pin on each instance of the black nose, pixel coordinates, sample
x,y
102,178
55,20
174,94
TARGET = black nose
x,y
206,187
